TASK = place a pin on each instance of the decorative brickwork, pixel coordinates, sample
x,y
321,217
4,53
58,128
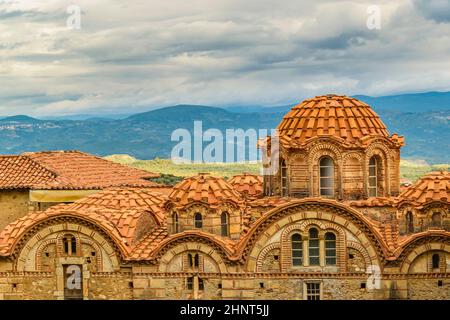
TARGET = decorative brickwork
x,y
337,231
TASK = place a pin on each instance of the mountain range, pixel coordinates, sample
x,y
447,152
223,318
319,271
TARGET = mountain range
x,y
422,118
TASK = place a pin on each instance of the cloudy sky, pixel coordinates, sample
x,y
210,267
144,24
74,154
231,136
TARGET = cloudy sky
x,y
135,55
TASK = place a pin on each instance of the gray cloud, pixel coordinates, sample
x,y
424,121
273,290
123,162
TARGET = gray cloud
x,y
437,10
143,54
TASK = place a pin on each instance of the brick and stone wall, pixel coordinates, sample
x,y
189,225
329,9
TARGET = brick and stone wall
x,y
14,204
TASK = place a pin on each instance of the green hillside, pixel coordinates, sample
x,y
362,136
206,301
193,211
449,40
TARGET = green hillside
x,y
410,169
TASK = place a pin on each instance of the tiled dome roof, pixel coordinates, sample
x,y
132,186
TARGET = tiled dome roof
x,y
434,186
204,188
247,184
331,115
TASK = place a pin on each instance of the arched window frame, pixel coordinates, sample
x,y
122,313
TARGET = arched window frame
x,y
198,220
69,245
175,223
435,261
196,260
373,176
284,182
409,218
297,250
314,246
225,224
190,260
330,248
326,177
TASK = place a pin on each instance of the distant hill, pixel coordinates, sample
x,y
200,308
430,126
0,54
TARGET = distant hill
x,y
19,119
413,102
410,102
410,170
147,135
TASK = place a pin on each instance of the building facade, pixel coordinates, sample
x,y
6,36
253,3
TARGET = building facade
x,y
331,224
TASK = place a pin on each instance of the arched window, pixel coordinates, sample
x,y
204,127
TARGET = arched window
x,y
175,223
436,219
69,245
297,250
326,181
435,261
314,256
224,224
201,285
330,249
409,222
198,220
284,178
196,260
193,260
373,177
65,241
73,243
190,260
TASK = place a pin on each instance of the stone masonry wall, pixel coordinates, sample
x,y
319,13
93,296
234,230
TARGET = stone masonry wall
x,y
27,286
110,286
429,289
13,205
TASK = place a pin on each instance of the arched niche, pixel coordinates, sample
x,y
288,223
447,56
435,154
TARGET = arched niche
x,y
284,217
30,255
174,256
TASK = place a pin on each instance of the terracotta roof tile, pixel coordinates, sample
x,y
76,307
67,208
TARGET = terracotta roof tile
x,y
121,199
250,185
71,170
373,202
17,172
434,186
146,246
269,201
13,231
331,115
158,237
204,188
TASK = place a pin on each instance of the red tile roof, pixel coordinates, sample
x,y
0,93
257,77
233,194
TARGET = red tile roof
x,y
341,117
204,188
20,172
158,238
141,199
272,201
149,243
249,185
69,170
128,217
389,231
373,202
15,230
434,186
126,227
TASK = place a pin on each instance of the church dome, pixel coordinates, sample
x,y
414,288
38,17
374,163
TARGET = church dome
x,y
250,185
331,115
204,188
434,186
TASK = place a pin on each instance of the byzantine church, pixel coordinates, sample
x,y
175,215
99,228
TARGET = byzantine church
x,y
332,223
